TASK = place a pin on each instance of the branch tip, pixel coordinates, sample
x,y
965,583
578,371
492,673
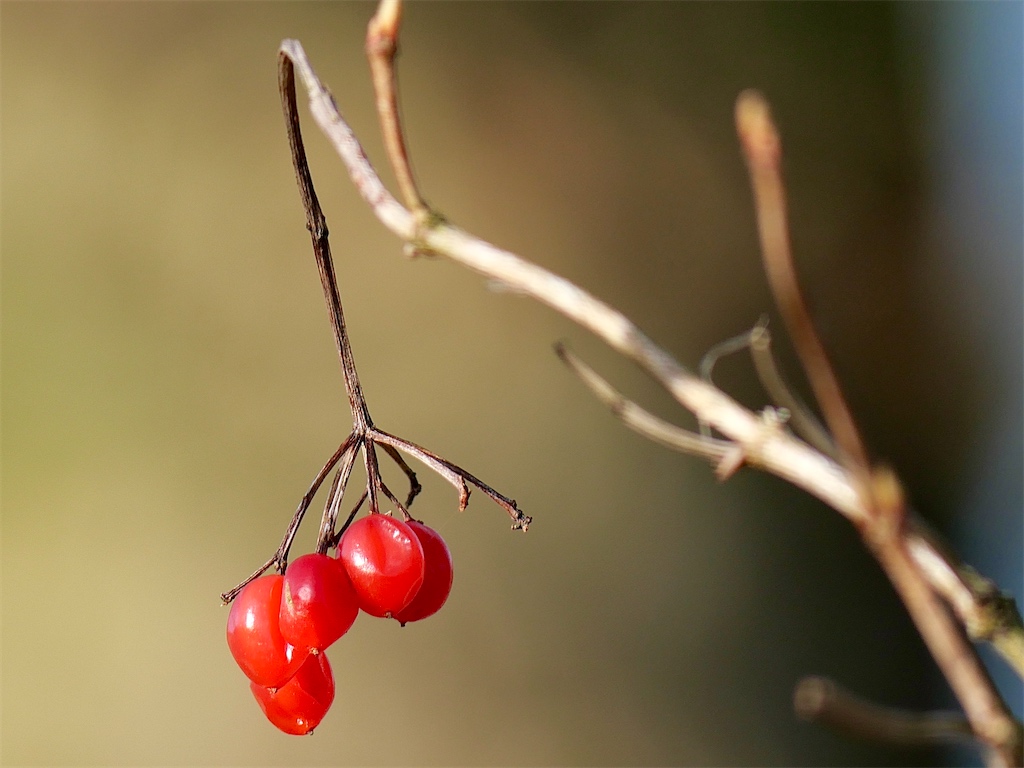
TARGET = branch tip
x,y
757,132
522,522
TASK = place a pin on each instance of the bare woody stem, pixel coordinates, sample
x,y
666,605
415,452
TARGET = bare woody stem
x,y
823,701
990,718
326,535
381,50
317,225
850,489
763,150
779,453
801,419
364,435
280,557
641,421
758,341
883,532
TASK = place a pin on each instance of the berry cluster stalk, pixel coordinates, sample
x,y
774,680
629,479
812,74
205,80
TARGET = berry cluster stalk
x,y
365,436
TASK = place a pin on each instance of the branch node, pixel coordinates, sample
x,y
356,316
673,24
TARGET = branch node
x,y
889,507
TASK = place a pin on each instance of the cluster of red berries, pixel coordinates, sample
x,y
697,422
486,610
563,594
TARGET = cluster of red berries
x,y
281,624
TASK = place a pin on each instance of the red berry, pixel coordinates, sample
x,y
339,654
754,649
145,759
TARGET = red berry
x,y
299,705
384,560
437,578
318,604
254,634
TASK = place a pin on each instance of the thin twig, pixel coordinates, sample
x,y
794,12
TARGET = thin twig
x,y
414,484
280,557
231,594
363,436
820,700
641,421
800,417
711,358
720,350
351,516
763,151
456,475
316,223
990,719
988,614
330,516
372,473
381,50
788,409
399,506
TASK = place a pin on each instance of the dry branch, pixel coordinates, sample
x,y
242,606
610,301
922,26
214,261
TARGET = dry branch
x,y
920,567
818,699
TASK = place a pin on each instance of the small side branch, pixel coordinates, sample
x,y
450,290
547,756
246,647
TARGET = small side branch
x,y
641,421
316,223
280,557
820,700
414,484
987,613
763,151
334,499
381,50
800,416
457,476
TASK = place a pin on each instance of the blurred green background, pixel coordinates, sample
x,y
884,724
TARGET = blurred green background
x,y
170,386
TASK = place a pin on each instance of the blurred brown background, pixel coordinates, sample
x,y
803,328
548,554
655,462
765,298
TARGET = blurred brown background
x,y
170,385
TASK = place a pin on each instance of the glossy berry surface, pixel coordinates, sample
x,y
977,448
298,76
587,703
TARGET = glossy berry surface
x,y
384,560
299,705
318,603
254,634
437,577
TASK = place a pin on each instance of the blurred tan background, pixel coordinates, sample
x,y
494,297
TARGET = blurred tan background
x,y
170,386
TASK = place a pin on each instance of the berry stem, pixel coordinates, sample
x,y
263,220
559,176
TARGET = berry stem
x,y
280,557
337,492
414,484
367,436
316,223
